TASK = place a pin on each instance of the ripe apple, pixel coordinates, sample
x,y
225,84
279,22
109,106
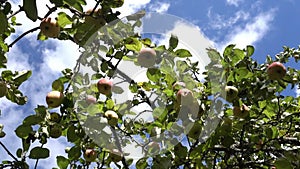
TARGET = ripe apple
x,y
115,155
55,131
241,111
184,96
231,93
153,147
90,155
178,85
54,99
105,86
49,28
112,117
276,71
3,89
55,117
90,99
96,19
146,57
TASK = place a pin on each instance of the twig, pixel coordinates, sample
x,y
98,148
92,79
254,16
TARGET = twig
x,y
21,36
8,152
15,13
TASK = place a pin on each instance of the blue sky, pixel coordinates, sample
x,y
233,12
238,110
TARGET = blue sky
x,y
268,25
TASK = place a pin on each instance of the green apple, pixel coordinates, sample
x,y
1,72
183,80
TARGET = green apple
x,y
49,28
90,155
241,111
276,71
184,96
3,89
55,117
115,155
146,57
231,93
54,99
112,117
104,86
55,131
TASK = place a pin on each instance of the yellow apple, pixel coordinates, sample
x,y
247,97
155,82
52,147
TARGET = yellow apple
x,y
54,99
146,57
231,93
49,28
112,117
104,86
276,71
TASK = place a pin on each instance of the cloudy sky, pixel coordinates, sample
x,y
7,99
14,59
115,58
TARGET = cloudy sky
x,y
268,25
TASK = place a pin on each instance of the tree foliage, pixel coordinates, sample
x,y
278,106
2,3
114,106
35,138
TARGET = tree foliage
x,y
265,136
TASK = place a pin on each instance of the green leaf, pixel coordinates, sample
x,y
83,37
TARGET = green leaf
x,y
4,23
58,85
32,120
62,162
7,75
183,53
22,76
173,42
71,134
74,153
63,19
133,44
250,50
153,74
141,163
39,153
283,163
23,131
30,9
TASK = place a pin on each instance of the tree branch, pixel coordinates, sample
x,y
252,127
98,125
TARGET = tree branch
x,y
21,36
8,152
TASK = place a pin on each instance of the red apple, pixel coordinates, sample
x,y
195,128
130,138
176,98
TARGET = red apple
x,y
90,99
185,96
54,99
146,57
276,71
90,155
49,28
105,86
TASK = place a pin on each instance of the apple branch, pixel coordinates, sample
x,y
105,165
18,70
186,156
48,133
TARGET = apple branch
x,y
8,152
22,35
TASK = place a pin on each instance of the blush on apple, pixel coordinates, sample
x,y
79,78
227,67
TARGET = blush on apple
x,y
105,86
49,28
146,57
54,99
276,71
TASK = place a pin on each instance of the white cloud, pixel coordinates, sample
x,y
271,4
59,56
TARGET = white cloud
x,y
234,2
132,6
251,32
159,7
217,21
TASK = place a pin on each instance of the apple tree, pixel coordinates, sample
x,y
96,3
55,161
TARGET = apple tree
x,y
232,114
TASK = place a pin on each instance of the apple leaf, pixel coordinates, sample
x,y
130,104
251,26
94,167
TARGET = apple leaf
x,y
141,163
153,74
250,50
74,153
30,9
173,42
133,44
23,131
283,163
71,134
32,120
62,162
63,19
58,85
183,53
4,23
22,76
39,153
